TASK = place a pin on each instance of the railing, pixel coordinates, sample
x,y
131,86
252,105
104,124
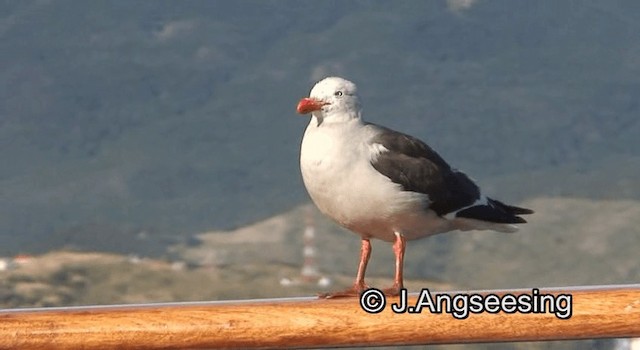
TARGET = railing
x,y
597,312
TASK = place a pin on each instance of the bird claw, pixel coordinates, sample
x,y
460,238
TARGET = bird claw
x,y
392,291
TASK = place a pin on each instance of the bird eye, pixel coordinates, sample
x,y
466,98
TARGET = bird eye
x,y
338,93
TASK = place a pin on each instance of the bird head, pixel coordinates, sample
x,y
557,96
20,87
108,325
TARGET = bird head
x,y
332,99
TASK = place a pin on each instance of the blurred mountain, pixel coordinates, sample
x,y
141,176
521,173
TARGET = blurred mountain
x,y
66,278
125,120
569,241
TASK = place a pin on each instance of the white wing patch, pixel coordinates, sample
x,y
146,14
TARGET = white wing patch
x,y
480,201
376,149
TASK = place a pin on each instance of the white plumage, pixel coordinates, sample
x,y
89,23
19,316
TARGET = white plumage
x,y
383,184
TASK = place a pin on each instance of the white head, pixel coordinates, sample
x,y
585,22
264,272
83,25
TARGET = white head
x,y
332,99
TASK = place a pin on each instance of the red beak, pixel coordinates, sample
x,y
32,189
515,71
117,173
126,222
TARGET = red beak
x,y
308,105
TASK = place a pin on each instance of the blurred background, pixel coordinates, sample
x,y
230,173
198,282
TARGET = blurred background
x,y
149,149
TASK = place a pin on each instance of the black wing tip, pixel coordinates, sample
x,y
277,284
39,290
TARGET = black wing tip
x,y
518,220
520,211
496,211
490,214
511,209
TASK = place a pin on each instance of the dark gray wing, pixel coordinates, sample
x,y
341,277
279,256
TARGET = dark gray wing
x,y
415,166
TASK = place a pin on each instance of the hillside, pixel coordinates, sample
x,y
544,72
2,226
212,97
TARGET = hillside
x,y
164,119
65,278
569,241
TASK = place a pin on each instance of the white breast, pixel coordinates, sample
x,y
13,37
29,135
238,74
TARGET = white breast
x,y
335,161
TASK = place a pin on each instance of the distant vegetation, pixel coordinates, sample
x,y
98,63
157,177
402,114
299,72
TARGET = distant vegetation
x,y
121,120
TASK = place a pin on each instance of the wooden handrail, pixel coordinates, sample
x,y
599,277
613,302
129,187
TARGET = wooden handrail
x,y
597,312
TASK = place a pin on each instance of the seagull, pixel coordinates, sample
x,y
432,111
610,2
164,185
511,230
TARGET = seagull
x,y
383,184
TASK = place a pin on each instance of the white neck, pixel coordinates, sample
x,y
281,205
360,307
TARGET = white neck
x,y
319,118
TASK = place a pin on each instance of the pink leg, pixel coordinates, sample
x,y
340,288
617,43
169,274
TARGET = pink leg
x,y
399,247
365,253
358,286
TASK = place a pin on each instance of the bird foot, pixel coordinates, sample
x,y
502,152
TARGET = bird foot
x,y
354,291
392,291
